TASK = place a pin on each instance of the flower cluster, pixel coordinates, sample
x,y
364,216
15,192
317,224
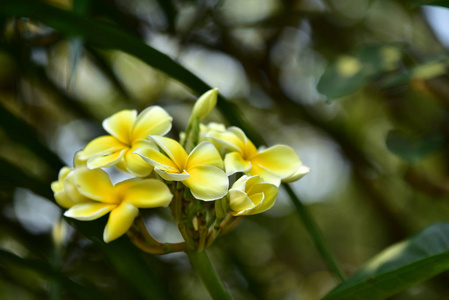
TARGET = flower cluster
x,y
192,176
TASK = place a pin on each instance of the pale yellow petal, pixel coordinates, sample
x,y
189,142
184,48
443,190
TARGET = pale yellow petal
x,y
120,124
280,160
171,176
234,162
56,186
266,175
204,105
239,201
207,183
152,121
64,172
101,146
89,211
147,193
120,220
71,190
157,159
228,140
94,184
77,161
173,149
299,173
204,154
63,199
270,192
105,161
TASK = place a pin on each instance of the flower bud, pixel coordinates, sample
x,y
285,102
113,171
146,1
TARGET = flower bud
x,y
204,105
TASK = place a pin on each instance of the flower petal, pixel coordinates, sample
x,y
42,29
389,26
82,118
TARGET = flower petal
x,y
157,159
89,211
234,162
239,201
105,161
270,192
94,184
119,125
71,190
145,193
207,183
173,149
152,121
266,175
63,199
134,163
205,154
228,139
120,220
281,160
171,176
299,173
101,146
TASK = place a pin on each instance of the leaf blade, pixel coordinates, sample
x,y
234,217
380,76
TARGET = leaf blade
x,y
399,266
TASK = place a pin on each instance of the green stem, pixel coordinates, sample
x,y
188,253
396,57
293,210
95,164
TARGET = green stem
x,y
314,232
209,277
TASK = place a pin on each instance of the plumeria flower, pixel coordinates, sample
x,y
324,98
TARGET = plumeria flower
x,y
249,195
65,192
273,164
201,170
122,200
128,131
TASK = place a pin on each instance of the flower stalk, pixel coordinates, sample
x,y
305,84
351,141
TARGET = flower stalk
x,y
203,267
315,233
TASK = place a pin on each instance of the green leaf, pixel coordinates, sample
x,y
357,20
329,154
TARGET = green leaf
x,y
399,266
46,270
413,148
19,131
111,37
349,73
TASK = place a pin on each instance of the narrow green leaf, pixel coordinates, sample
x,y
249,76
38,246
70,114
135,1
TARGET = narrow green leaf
x,y
46,270
19,131
413,148
399,266
111,37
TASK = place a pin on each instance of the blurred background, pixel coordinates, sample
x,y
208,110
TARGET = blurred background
x,y
359,88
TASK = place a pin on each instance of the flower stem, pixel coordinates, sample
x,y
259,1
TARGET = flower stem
x,y
314,232
209,277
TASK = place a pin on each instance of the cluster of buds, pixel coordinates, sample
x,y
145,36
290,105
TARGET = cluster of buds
x,y
192,176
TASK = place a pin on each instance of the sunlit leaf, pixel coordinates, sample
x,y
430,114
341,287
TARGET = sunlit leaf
x,y
399,266
413,148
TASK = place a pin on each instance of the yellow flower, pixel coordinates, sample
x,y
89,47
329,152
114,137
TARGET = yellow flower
x,y
201,170
127,133
204,105
249,195
273,164
122,200
65,192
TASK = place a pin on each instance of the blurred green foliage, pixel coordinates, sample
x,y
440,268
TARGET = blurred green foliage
x,y
378,150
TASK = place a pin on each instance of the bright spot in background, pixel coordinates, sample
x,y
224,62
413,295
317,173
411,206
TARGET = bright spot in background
x,y
328,176
36,214
438,18
218,70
